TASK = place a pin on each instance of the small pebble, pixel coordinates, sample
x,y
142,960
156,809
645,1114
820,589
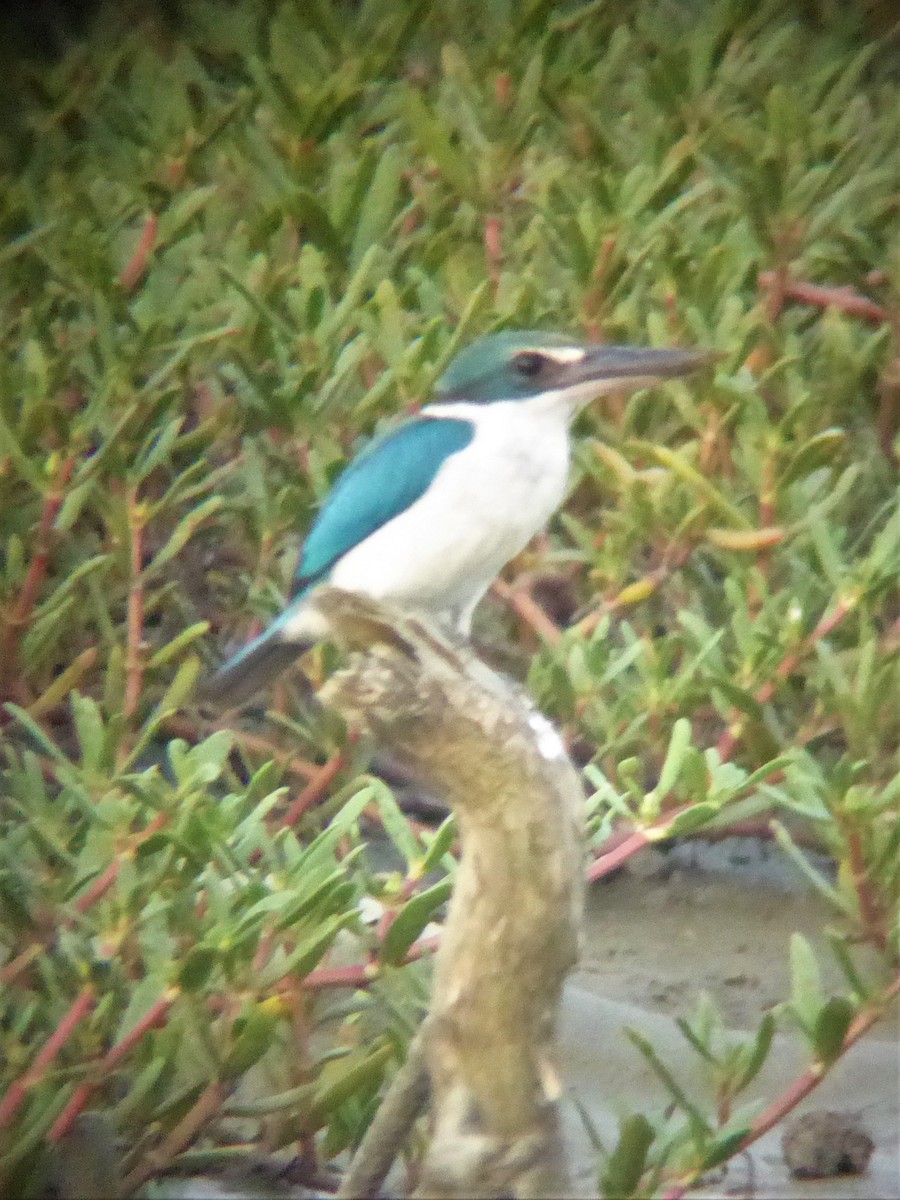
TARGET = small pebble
x,y
822,1143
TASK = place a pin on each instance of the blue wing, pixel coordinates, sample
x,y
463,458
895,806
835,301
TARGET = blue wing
x,y
389,476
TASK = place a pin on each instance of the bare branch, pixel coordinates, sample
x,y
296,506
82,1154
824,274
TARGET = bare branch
x,y
512,931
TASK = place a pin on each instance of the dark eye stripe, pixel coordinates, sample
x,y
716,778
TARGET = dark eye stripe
x,y
529,363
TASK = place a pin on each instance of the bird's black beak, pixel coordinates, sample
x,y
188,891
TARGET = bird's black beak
x,y
613,368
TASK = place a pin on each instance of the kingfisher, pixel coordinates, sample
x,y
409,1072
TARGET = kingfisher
x,y
429,513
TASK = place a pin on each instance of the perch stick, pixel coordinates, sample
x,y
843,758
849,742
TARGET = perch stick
x,y
511,935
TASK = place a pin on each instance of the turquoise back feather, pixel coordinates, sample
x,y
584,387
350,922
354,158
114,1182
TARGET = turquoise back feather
x,y
385,479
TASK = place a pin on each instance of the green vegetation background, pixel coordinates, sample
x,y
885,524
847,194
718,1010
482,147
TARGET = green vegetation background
x,y
235,238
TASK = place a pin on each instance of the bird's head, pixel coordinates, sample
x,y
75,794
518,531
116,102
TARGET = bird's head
x,y
531,365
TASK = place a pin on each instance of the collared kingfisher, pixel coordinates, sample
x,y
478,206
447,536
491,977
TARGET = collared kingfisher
x,y
427,515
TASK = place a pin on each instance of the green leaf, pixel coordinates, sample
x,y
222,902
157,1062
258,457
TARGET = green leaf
x,y
679,743
396,824
834,1019
307,953
176,693
751,1063
319,854
816,878
182,534
145,1087
686,822
354,291
698,1123
623,1169
317,224
768,769
30,470
182,211
740,698
841,952
256,1031
61,764
297,1099
434,140
411,920
678,465
349,1082
145,994
806,982
379,204
206,761
91,731
156,449
724,1146
825,540
441,842
815,453
335,890
196,968
698,1044
178,643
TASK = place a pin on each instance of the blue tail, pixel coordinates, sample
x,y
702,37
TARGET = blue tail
x,y
253,667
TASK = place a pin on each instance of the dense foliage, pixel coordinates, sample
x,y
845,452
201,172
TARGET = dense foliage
x,y
235,239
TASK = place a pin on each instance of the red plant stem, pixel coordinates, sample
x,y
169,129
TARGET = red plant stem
x,y
527,610
206,1106
37,568
17,1092
727,743
624,844
99,887
303,1066
869,908
767,514
775,283
14,968
842,298
134,670
315,790
802,1085
154,1017
767,493
609,860
503,89
356,975
411,885
362,974
257,744
134,269
264,949
890,643
107,878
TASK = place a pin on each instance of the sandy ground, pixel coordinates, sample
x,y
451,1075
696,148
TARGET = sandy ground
x,y
715,919
654,942
605,1073
657,941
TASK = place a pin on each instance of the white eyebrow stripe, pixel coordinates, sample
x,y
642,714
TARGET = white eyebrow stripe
x,y
562,354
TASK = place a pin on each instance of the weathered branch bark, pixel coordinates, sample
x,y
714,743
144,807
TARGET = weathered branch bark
x,y
513,926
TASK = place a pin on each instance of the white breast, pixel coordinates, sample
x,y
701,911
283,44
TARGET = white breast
x,y
484,505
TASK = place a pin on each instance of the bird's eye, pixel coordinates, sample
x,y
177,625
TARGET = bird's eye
x,y
528,364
